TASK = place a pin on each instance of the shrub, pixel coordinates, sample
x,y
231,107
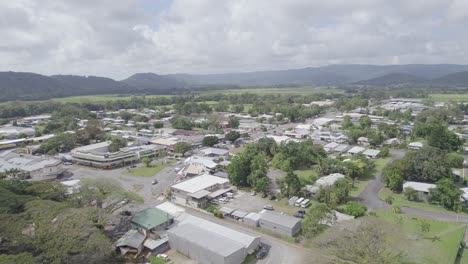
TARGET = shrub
x,y
355,209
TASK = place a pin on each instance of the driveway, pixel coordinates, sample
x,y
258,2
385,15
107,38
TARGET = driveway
x,y
370,195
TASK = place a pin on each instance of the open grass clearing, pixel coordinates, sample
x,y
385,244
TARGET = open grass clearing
x,y
143,171
448,97
400,200
439,245
307,176
284,90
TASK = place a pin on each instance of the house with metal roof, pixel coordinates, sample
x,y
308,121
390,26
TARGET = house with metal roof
x,y
329,180
197,191
422,188
371,153
356,150
151,220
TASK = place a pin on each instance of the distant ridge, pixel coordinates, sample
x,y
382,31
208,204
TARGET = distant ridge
x,y
395,78
31,86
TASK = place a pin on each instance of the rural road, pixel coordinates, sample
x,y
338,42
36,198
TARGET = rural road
x,y
370,197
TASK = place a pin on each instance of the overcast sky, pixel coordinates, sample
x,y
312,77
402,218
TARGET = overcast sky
x,y
116,38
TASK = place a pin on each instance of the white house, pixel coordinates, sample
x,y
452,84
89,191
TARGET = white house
x,y
422,188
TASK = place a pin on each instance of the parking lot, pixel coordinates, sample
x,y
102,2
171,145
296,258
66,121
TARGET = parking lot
x,y
152,194
246,202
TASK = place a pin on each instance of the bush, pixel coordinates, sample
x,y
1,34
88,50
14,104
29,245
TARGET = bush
x,y
211,208
355,209
218,213
411,194
384,152
389,199
455,160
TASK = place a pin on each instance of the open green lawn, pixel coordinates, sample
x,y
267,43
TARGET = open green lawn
x,y
144,171
421,247
401,200
307,176
284,90
448,97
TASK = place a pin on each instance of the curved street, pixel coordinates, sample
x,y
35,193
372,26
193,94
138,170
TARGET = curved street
x,y
370,197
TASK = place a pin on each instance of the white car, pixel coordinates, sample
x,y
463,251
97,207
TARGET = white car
x,y
163,256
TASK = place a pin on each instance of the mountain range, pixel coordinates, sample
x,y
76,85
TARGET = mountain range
x,y
32,86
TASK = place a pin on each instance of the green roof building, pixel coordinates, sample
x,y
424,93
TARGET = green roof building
x,y
151,220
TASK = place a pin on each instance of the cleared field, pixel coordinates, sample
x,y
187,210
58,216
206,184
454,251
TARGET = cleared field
x,y
448,97
285,90
102,98
439,245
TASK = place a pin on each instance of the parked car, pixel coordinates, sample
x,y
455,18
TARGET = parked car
x,y
163,256
301,212
67,163
264,195
299,215
253,193
272,197
126,213
154,182
268,207
263,251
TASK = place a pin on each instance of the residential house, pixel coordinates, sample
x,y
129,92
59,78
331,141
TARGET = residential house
x,y
371,153
151,220
423,189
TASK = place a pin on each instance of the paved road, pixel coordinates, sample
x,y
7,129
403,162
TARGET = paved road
x,y
140,185
370,195
436,215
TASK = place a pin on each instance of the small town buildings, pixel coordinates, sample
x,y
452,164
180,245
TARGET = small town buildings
x,y
363,141
13,132
330,146
206,163
279,223
415,145
208,242
342,148
392,141
423,189
131,243
197,191
35,168
252,219
98,155
151,220
329,180
356,150
215,152
371,153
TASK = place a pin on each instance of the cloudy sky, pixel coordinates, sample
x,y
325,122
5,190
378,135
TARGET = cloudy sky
x,y
117,38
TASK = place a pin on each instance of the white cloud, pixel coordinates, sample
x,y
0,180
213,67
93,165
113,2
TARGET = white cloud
x,y
119,38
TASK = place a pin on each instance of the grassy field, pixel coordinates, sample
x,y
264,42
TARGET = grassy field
x,y
144,171
401,200
307,175
439,245
448,97
284,90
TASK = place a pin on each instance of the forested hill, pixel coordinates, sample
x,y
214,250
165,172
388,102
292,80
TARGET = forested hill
x,y
31,86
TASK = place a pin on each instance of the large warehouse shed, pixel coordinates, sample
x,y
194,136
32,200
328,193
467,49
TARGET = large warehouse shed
x,y
280,223
210,243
